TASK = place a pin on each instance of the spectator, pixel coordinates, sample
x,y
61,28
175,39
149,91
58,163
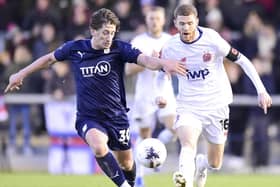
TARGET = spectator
x,y
130,21
41,14
4,62
266,41
248,42
47,40
78,21
237,119
242,7
60,117
22,57
256,119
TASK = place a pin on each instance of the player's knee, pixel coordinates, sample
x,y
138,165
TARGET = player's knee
x,y
100,150
188,144
145,133
126,164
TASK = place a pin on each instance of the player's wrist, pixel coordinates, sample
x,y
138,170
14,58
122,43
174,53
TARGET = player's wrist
x,y
262,92
22,73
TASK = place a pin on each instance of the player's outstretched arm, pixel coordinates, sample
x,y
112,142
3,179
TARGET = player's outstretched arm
x,y
16,79
154,63
264,99
132,69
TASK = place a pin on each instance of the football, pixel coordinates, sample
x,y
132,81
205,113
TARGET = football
x,y
151,153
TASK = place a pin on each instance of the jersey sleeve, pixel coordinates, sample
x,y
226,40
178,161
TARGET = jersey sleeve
x,y
62,53
129,53
133,42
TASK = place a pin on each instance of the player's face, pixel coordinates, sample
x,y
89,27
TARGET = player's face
x,y
103,37
155,21
187,26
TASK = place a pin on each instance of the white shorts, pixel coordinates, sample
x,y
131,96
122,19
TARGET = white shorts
x,y
213,123
146,115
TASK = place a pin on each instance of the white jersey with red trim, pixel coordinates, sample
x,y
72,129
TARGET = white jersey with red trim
x,y
206,85
147,84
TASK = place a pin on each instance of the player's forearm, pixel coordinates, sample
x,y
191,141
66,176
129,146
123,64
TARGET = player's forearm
x,y
132,69
41,63
149,62
251,72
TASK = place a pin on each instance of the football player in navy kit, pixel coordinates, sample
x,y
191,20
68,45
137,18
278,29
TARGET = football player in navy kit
x,y
98,66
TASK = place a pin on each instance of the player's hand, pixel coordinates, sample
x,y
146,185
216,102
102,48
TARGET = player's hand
x,y
175,67
161,102
265,101
155,54
15,82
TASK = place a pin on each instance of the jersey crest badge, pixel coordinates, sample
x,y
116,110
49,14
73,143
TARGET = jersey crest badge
x,y
207,57
183,59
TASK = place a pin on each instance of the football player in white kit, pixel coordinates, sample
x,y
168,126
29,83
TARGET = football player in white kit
x,y
204,94
148,90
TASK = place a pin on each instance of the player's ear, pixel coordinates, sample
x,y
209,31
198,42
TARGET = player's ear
x,y
197,21
92,31
175,22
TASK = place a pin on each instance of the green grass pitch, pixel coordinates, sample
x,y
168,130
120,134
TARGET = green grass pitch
x,y
156,180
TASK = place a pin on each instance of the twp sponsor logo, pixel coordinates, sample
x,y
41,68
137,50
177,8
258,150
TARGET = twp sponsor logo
x,y
197,75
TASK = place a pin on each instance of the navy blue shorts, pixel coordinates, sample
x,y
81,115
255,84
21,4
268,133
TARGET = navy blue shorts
x,y
118,133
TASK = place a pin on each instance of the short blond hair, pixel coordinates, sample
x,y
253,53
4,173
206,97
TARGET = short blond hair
x,y
185,10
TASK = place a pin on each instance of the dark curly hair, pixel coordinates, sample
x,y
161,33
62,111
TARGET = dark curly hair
x,y
104,16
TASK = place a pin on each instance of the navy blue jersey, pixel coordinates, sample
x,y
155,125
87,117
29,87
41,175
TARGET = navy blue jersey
x,y
99,77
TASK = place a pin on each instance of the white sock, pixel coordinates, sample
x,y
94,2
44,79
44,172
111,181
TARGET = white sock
x,y
204,163
187,164
125,184
165,136
140,170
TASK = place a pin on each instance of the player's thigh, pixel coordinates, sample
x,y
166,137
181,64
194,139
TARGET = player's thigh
x,y
167,114
215,128
188,129
94,134
97,140
168,120
125,158
145,132
143,113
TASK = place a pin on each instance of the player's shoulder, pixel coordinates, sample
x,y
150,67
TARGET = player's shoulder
x,y
117,43
173,39
76,44
165,34
139,38
209,32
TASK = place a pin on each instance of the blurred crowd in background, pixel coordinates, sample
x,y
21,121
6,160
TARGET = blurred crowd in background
x,y
32,28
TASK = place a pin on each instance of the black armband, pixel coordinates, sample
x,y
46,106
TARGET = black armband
x,y
233,54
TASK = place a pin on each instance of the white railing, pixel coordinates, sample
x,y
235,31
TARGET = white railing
x,y
239,100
